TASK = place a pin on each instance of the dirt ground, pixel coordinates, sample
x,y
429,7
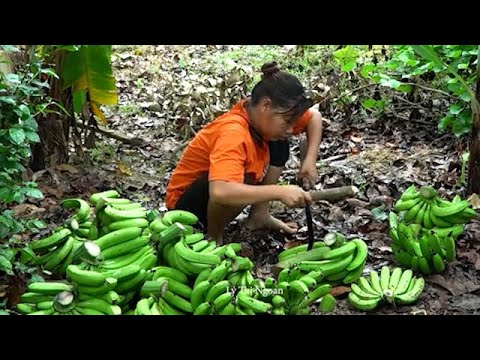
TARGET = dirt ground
x,y
382,157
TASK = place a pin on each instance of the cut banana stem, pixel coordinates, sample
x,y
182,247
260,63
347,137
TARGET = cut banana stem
x,y
388,294
88,252
428,192
330,239
64,302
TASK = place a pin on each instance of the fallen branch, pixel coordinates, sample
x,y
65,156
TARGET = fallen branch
x,y
320,163
398,116
113,134
375,84
331,159
334,194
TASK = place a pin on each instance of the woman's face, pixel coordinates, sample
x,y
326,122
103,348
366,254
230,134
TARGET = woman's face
x,y
272,124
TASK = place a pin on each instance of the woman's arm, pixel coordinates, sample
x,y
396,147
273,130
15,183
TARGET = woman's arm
x,y
237,194
307,174
240,195
314,135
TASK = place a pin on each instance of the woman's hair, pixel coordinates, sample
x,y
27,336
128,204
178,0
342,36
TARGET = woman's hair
x,y
284,90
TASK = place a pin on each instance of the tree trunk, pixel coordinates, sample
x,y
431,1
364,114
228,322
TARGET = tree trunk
x,y
53,128
474,159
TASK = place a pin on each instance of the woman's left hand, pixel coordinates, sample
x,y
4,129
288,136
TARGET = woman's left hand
x,y
307,176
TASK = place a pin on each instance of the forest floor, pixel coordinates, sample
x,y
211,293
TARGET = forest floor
x,y
382,157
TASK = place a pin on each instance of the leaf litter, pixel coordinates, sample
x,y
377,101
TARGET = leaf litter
x,y
166,93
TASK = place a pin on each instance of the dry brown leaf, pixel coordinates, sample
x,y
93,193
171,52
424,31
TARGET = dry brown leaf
x,y
455,286
293,243
339,290
56,192
48,202
27,210
474,201
124,169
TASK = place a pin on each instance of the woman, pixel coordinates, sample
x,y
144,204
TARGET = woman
x,y
237,159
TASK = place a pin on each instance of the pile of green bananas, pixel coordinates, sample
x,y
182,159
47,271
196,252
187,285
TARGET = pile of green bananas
x,y
63,298
221,282
72,242
127,260
422,249
115,213
342,262
426,208
294,292
125,252
199,277
395,287
426,228
230,289
55,252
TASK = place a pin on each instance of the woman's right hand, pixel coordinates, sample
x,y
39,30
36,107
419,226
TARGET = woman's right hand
x,y
294,196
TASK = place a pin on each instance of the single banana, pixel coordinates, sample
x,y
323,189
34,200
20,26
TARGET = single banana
x,y
404,282
394,279
384,278
360,257
257,306
362,304
205,308
342,251
365,286
375,281
413,294
363,294
438,264
188,254
178,302
216,290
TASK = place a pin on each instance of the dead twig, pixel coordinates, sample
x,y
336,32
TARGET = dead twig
x,y
398,116
320,163
114,135
370,85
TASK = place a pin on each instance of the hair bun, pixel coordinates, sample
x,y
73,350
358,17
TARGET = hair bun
x,y
270,69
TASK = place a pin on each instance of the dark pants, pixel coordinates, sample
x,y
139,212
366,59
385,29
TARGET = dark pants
x,y
195,198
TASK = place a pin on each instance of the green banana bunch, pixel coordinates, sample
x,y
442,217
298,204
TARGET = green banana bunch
x,y
109,261
427,251
55,252
343,264
426,208
334,239
60,298
393,286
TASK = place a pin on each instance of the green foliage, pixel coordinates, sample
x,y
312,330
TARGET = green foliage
x,y
22,97
10,225
448,68
13,259
18,130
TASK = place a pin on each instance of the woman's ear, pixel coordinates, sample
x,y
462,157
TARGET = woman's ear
x,y
265,104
